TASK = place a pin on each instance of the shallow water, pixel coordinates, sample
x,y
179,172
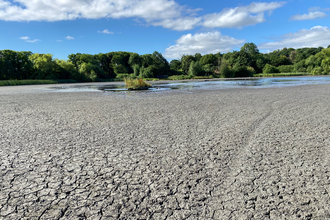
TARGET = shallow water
x,y
205,84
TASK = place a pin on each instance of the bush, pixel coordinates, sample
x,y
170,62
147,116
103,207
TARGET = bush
x,y
270,69
317,71
226,70
136,84
286,68
136,69
242,71
148,72
196,69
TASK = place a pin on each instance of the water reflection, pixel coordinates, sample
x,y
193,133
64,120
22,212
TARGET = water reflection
x,y
206,84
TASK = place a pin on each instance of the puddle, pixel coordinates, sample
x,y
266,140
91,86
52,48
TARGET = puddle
x,y
206,84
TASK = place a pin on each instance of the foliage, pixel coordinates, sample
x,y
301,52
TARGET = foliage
x,y
286,68
270,69
226,70
136,84
196,69
114,66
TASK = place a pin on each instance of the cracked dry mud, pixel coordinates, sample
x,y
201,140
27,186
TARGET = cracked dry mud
x,y
222,154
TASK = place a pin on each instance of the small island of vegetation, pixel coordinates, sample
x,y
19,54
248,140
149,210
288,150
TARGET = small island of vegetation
x,y
136,84
18,68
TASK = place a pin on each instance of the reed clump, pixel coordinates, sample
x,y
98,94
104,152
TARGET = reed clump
x,y
136,84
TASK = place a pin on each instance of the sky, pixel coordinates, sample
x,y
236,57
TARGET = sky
x,y
171,27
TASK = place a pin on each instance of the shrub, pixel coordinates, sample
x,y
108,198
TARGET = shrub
x,y
286,68
270,69
195,69
226,70
136,69
136,84
317,71
148,72
242,71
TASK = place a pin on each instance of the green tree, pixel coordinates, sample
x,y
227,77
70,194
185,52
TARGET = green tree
x,y
135,59
270,69
196,69
326,66
225,69
44,66
66,70
286,69
251,49
106,65
175,65
185,62
160,64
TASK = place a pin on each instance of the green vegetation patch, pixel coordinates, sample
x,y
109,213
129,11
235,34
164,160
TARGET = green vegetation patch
x,y
280,74
136,84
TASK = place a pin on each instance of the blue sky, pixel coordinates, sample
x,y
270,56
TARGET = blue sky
x,y
171,27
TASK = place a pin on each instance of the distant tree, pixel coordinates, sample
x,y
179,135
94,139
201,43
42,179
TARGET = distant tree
x,y
326,66
105,64
44,66
185,62
196,69
209,59
198,56
251,49
225,69
66,70
241,71
270,69
175,65
286,69
135,59
160,64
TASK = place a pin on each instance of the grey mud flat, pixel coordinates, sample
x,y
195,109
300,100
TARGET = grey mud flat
x,y
222,154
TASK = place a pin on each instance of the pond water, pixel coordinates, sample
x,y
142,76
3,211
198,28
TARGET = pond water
x,y
204,84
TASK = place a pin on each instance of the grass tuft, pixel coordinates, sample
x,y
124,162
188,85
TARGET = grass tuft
x,y
136,84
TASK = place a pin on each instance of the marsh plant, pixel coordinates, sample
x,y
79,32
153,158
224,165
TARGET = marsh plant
x,y
136,84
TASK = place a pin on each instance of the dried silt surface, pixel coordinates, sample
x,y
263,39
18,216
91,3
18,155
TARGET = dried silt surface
x,y
221,154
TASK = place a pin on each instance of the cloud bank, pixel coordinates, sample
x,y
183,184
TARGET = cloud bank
x,y
315,37
310,16
210,42
164,13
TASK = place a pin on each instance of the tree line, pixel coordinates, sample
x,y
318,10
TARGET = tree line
x,y
86,67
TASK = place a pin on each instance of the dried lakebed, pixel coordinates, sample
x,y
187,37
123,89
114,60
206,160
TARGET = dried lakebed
x,y
203,154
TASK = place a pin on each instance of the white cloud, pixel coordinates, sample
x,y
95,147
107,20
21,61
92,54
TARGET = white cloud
x,y
241,16
27,39
69,38
310,16
57,10
314,37
179,24
106,31
210,42
165,13
314,9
